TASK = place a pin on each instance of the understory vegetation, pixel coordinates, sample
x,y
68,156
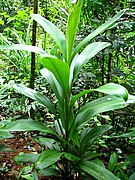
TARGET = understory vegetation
x,y
67,89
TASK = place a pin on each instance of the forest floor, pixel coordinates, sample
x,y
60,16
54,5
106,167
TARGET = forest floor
x,y
9,169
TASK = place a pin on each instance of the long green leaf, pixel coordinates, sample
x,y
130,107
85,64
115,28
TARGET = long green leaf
x,y
71,29
110,88
26,158
79,61
25,48
25,125
44,101
89,135
97,31
97,171
114,89
59,69
5,135
47,158
100,105
53,30
94,133
53,83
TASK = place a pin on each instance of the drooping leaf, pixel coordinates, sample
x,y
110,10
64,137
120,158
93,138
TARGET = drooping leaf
x,y
44,101
97,31
110,88
114,89
79,60
26,158
100,105
25,125
96,170
71,29
59,69
25,48
48,158
53,31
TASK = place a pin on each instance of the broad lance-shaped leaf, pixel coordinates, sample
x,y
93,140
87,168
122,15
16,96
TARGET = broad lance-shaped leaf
x,y
59,69
93,132
24,47
48,158
53,30
97,31
114,89
56,89
25,125
110,88
26,158
53,83
89,135
97,171
79,60
97,106
44,101
71,29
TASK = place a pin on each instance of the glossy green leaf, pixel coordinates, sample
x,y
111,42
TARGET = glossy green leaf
x,y
59,69
44,101
114,89
97,31
26,158
53,30
79,61
25,125
49,172
26,169
112,161
25,48
100,105
71,157
97,171
71,29
53,83
5,135
48,158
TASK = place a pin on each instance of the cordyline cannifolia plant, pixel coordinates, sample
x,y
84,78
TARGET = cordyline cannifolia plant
x,y
69,153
